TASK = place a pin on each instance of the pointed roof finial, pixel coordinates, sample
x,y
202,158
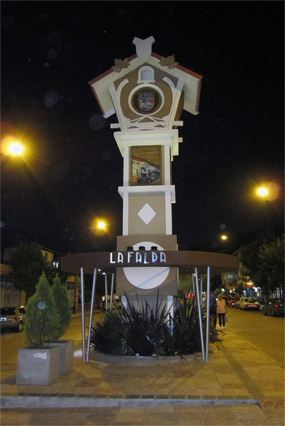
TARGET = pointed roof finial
x,y
144,47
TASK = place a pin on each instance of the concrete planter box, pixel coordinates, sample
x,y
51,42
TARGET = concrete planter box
x,y
38,367
66,354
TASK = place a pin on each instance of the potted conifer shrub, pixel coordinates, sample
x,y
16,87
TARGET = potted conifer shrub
x,y
38,364
62,306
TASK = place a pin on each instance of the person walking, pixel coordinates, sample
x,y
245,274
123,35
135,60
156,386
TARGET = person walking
x,y
221,310
213,309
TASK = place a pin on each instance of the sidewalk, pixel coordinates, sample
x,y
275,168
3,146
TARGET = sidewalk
x,y
240,385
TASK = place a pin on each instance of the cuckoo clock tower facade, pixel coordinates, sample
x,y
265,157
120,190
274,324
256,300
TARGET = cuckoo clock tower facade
x,y
147,93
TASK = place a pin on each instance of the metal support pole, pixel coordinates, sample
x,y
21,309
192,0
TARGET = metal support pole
x,y
112,292
82,314
193,284
208,312
91,314
106,291
170,310
200,315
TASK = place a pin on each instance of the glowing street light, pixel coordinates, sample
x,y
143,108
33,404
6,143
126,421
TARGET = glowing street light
x,y
224,237
99,226
15,148
262,191
12,147
269,191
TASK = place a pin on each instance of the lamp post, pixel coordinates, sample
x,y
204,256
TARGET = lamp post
x,y
99,227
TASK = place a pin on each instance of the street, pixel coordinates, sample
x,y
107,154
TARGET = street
x,y
266,332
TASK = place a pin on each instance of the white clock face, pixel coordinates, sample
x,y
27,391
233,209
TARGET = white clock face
x,y
146,278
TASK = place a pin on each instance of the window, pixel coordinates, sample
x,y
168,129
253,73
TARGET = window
x,y
146,75
8,311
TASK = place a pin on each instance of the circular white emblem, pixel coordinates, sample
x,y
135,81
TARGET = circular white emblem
x,y
146,278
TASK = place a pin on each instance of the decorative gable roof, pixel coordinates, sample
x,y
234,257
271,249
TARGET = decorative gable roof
x,y
192,81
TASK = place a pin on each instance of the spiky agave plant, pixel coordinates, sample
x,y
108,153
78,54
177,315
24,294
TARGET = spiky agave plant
x,y
186,336
146,327
146,331
132,330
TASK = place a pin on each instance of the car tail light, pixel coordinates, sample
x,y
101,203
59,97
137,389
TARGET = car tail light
x,y
276,306
249,306
254,306
15,319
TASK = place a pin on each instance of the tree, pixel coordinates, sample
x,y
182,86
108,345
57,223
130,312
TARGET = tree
x,y
185,284
216,282
27,264
271,262
248,257
62,305
249,266
42,320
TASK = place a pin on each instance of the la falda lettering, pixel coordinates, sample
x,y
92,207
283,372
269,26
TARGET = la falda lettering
x,y
147,258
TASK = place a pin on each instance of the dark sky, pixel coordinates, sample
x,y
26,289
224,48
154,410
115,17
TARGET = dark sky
x,y
72,167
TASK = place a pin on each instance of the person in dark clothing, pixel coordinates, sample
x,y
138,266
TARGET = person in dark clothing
x,y
213,309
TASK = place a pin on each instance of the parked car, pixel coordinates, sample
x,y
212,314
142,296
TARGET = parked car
x,y
274,307
261,303
247,303
12,317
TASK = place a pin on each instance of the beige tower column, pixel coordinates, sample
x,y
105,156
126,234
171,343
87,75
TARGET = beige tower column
x,y
148,93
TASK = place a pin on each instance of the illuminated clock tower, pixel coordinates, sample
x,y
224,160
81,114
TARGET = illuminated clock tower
x,y
147,92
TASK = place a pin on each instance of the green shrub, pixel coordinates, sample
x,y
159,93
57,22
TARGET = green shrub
x,y
186,331
62,305
149,331
106,335
42,321
146,328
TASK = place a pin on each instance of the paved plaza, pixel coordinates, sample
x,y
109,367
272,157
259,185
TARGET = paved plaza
x,y
240,385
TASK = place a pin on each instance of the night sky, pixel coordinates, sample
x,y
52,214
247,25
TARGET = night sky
x,y
72,167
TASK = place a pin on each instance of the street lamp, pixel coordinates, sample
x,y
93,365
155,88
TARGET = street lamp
x,y
262,191
224,237
12,146
15,148
99,226
269,191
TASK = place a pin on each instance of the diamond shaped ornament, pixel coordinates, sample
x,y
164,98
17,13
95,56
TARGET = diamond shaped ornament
x,y
146,214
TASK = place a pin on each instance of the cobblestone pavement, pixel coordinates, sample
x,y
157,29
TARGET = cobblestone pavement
x,y
240,385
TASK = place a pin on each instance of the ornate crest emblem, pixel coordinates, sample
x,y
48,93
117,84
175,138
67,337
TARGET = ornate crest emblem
x,y
146,101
